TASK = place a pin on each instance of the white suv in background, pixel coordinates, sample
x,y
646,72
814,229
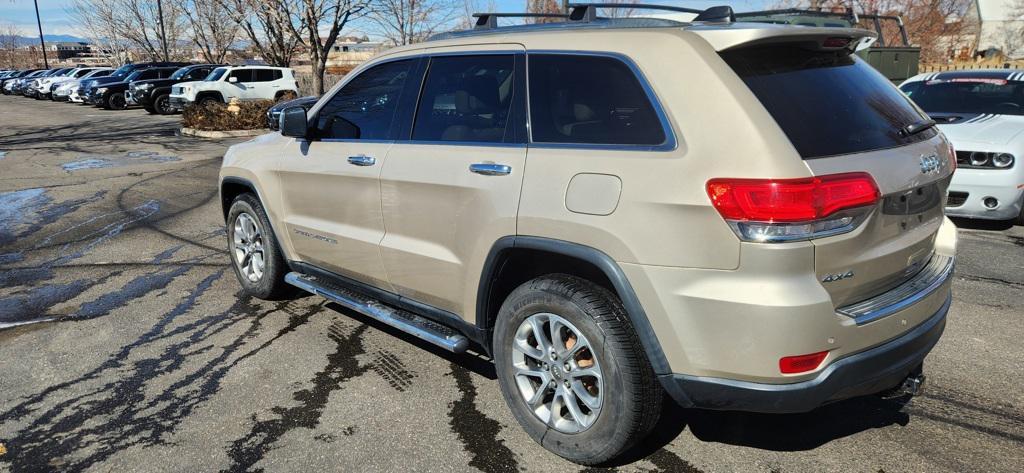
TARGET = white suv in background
x,y
242,82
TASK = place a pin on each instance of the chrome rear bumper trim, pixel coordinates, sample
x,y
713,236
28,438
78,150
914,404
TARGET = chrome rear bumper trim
x,y
923,284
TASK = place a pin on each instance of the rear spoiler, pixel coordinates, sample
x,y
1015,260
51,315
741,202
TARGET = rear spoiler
x,y
738,35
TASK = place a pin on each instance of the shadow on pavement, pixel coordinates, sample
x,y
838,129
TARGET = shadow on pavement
x,y
979,224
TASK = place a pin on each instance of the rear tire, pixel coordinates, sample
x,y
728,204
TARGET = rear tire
x,y
255,253
618,406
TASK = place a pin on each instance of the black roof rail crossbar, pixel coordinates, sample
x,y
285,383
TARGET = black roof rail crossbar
x,y
637,6
588,11
490,20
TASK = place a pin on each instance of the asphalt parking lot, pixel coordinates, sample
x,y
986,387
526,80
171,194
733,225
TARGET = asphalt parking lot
x,y
150,360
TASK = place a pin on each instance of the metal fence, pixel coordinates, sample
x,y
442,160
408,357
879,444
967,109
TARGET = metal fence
x,y
970,66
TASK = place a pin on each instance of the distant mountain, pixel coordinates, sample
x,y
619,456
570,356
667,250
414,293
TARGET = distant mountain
x,y
50,38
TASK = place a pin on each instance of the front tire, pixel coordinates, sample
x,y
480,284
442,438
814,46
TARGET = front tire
x,y
255,253
115,101
162,104
572,370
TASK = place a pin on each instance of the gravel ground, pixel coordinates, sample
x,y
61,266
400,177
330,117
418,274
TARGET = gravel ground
x,y
153,361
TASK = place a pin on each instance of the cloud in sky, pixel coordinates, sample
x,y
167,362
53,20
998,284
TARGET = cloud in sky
x,y
54,15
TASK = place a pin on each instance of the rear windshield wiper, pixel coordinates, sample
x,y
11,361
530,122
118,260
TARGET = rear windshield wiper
x,y
916,127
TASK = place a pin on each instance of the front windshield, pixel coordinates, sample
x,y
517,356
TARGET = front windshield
x,y
968,95
178,74
216,74
123,70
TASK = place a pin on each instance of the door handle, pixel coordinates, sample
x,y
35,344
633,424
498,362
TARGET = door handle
x,y
490,169
362,160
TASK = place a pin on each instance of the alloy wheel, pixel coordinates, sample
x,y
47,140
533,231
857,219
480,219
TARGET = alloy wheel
x,y
557,373
247,245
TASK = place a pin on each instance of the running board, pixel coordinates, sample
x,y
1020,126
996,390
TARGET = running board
x,y
415,325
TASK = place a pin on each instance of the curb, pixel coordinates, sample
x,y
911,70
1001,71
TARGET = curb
x,y
221,134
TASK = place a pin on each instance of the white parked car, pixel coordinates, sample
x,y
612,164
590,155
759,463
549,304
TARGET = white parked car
x,y
242,82
45,86
982,114
65,89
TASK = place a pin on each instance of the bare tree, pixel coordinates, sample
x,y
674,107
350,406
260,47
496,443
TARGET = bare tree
x,y
274,27
469,7
212,29
544,6
98,19
324,20
9,34
410,21
123,25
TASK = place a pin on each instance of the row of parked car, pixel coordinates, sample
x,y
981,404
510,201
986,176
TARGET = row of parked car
x,y
159,87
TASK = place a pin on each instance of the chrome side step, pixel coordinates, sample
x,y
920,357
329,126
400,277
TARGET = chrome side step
x,y
415,325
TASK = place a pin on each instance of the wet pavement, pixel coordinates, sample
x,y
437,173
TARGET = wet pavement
x,y
149,359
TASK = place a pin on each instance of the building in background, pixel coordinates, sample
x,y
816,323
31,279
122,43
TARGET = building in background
x,y
1001,28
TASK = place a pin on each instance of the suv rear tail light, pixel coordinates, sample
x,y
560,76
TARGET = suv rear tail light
x,y
777,210
801,363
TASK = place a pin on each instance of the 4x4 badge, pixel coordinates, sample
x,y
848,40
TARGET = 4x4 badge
x,y
837,277
930,164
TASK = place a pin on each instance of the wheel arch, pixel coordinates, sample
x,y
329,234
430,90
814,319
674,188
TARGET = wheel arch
x,y
209,93
231,187
511,261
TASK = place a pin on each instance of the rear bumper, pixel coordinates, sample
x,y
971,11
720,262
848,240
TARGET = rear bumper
x,y
867,372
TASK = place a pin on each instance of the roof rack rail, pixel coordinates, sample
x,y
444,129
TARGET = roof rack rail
x,y
490,20
588,11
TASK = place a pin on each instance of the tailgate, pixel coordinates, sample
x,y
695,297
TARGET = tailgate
x,y
843,117
898,238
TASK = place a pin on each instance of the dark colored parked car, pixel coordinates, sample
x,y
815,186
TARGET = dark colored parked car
x,y
274,114
113,95
88,88
13,77
153,94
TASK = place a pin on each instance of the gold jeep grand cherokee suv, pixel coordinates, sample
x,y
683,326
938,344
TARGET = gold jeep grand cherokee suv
x,y
739,216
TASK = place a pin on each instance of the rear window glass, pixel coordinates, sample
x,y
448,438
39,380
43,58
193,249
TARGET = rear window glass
x,y
828,103
589,100
968,95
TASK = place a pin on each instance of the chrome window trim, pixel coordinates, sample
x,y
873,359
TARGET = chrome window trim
x,y
923,284
670,143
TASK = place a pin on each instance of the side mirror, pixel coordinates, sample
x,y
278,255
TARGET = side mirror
x,y
293,122
232,79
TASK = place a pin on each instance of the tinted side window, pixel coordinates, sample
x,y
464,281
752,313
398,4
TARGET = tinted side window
x,y
166,73
243,75
589,100
365,107
466,98
264,75
148,74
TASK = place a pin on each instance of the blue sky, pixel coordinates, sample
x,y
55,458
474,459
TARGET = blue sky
x,y
56,20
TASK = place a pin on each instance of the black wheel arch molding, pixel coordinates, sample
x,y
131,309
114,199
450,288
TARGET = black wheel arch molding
x,y
503,247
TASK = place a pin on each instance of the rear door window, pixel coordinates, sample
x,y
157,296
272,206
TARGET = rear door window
x,y
264,75
589,100
827,102
466,98
243,75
